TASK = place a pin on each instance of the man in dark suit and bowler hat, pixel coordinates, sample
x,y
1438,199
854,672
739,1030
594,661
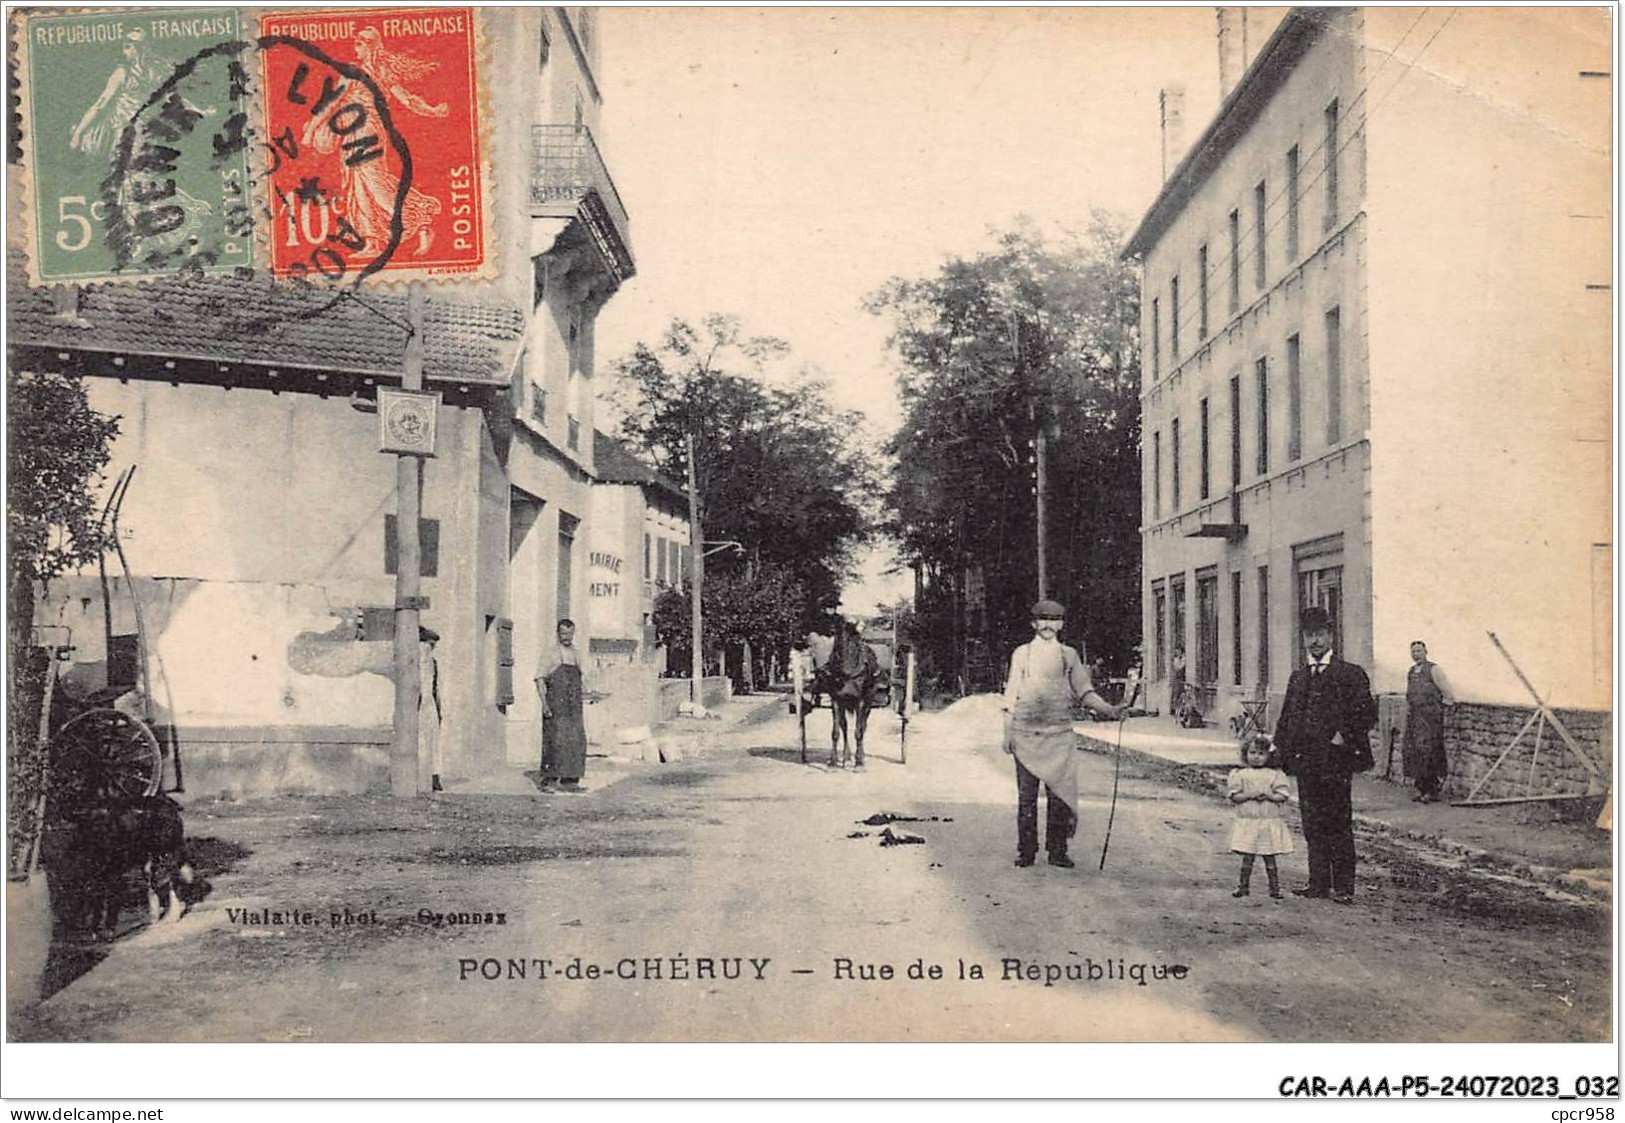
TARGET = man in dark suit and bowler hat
x,y
1323,736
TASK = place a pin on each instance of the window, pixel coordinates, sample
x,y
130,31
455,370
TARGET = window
x,y
1334,376
1292,204
1177,640
572,403
1201,292
1207,627
648,560
1235,262
1159,601
1261,235
1294,400
584,31
1173,319
1173,437
1207,459
660,561
1264,625
1235,430
1261,373
1319,566
1156,338
1331,165
1235,628
1156,474
567,541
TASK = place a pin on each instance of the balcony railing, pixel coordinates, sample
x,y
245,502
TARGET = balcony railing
x,y
568,175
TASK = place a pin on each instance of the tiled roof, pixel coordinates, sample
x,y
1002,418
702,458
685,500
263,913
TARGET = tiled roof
x,y
614,463
229,319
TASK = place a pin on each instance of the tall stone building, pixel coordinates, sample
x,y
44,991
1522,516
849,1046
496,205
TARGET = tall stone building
x,y
1377,316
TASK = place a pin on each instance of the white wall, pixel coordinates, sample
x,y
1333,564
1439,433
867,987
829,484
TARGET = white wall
x,y
1491,370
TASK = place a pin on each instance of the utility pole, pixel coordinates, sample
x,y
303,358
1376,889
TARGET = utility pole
x,y
1040,451
696,565
1040,446
403,754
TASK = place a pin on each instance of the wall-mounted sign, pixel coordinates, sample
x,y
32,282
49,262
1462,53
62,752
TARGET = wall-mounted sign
x,y
406,421
611,565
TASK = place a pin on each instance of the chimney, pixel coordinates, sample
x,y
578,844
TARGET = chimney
x,y
1232,37
1171,99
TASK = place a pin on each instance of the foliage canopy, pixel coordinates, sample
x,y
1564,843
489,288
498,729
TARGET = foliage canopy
x,y
1038,331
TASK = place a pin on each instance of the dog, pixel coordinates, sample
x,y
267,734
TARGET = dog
x,y
146,832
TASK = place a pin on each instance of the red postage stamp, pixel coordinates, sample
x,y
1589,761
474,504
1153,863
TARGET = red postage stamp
x,y
373,143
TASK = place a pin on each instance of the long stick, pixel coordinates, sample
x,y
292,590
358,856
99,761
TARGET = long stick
x,y
1117,769
101,568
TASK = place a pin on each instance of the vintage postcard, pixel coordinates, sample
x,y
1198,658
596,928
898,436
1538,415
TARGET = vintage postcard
x,y
1088,528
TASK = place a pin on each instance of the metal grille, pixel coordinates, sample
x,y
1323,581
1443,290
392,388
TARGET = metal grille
x,y
567,168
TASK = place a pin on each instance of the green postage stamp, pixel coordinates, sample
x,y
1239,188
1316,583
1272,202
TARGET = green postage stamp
x,y
123,118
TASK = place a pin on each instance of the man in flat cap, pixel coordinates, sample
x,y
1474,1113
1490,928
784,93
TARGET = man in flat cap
x,y
1323,736
1047,682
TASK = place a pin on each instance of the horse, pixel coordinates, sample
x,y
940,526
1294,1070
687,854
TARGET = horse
x,y
848,676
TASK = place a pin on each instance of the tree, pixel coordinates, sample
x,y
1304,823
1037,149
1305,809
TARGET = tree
x,y
779,469
762,606
57,447
1035,332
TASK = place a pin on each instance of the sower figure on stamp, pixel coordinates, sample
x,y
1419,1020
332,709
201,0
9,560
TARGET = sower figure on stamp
x,y
564,732
1324,738
1426,695
1048,680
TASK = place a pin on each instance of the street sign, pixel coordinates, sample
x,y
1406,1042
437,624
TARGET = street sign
x,y
406,421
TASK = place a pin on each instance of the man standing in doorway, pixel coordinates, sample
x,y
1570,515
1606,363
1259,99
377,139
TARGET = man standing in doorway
x,y
1048,680
1324,738
564,732
1426,696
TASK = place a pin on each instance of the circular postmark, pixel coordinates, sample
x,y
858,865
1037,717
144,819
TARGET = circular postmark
x,y
327,179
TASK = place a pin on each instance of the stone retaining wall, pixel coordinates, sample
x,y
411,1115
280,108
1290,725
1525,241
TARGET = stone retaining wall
x,y
1475,735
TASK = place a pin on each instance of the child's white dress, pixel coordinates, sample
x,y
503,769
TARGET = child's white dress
x,y
1260,824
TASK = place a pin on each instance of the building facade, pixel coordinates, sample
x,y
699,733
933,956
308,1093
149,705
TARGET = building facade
x,y
1377,361
259,527
639,547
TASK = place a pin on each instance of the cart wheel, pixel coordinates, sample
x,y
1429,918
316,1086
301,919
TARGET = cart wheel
x,y
101,756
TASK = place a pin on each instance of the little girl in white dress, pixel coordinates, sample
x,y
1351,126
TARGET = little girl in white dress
x,y
1259,790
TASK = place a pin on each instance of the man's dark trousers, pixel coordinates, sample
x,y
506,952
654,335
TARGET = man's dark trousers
x,y
1328,831
1059,821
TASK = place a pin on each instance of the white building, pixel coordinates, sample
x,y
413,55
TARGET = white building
x,y
1377,313
260,525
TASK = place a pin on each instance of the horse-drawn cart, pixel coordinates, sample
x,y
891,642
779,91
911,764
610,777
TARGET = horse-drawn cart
x,y
100,747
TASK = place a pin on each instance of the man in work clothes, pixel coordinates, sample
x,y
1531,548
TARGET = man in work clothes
x,y
1426,696
1047,682
564,734
1324,738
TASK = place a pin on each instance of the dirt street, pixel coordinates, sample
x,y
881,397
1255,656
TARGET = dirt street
x,y
736,895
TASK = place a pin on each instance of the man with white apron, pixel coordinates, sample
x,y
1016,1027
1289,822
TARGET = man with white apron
x,y
1047,682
